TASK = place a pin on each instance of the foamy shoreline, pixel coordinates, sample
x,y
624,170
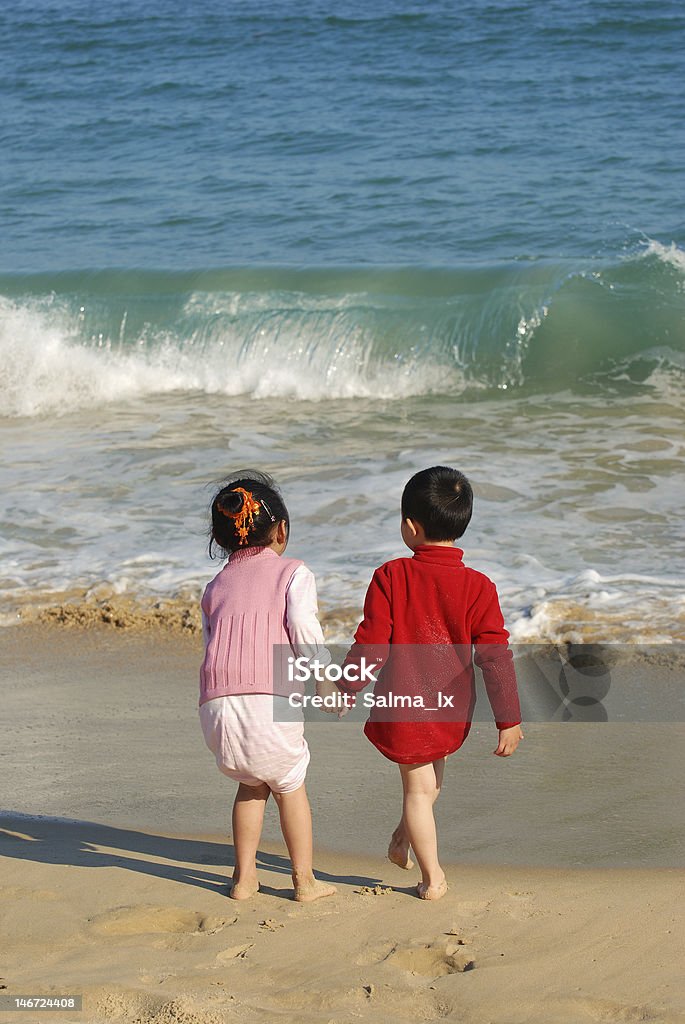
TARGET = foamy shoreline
x,y
176,615
557,621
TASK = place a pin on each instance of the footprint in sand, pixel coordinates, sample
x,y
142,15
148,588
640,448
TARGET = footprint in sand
x,y
608,1011
17,892
433,959
375,954
473,908
234,953
519,905
155,920
144,1009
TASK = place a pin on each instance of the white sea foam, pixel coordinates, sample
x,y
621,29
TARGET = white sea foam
x,y
47,367
669,254
589,606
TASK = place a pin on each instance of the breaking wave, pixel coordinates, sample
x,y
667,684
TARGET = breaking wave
x,y
77,340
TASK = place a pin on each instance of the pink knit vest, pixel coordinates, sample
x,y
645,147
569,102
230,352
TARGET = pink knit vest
x,y
245,609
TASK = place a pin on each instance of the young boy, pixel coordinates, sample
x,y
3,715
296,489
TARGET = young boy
x,y
422,616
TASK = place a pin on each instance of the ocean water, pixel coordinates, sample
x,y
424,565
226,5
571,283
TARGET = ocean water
x,y
341,243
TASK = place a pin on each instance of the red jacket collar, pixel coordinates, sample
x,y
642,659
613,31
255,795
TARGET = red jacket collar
x,y
438,554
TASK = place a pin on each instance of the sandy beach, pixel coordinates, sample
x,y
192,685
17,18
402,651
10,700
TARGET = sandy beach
x,y
138,924
565,899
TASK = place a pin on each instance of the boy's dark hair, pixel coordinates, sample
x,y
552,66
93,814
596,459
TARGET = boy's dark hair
x,y
441,500
227,504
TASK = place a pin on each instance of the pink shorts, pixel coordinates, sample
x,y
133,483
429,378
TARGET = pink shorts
x,y
250,747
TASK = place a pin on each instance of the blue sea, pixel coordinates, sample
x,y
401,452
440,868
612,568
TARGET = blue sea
x,y
340,243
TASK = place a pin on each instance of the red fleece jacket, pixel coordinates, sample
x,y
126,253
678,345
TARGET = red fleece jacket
x,y
433,600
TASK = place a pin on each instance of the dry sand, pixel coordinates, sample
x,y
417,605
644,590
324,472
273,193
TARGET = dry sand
x,y
127,903
141,926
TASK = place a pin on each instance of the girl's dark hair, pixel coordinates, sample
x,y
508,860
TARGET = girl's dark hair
x,y
228,502
441,500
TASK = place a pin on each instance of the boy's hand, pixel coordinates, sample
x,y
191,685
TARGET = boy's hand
x,y
336,706
508,741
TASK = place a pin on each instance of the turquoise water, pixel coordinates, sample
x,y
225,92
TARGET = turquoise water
x,y
343,242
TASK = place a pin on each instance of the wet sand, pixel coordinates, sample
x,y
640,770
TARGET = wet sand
x,y
101,725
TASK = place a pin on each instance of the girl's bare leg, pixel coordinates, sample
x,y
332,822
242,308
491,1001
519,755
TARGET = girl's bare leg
x,y
248,818
398,850
296,825
421,784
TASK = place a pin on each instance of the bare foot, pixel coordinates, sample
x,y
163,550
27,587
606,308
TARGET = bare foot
x,y
244,890
398,853
314,890
432,892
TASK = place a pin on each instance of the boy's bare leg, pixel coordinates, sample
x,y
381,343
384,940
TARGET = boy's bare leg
x,y
439,769
421,785
296,825
398,850
248,818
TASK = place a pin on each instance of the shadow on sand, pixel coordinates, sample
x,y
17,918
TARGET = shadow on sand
x,y
88,844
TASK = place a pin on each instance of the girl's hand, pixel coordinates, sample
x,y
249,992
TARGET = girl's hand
x,y
335,704
508,741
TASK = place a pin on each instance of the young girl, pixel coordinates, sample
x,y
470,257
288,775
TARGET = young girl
x,y
421,617
259,601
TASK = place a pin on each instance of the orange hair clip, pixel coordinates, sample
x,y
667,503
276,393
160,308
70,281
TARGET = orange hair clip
x,y
244,520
